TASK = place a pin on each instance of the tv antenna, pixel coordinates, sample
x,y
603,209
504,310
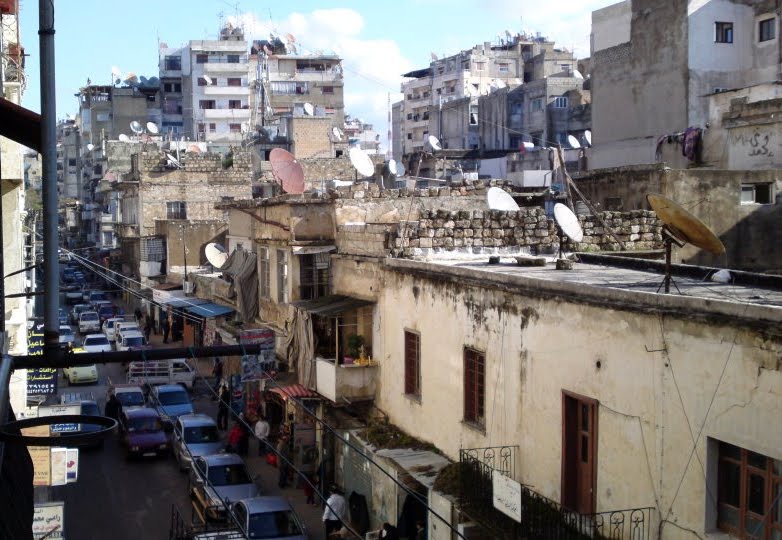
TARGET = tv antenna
x,y
215,254
287,171
681,228
499,199
568,225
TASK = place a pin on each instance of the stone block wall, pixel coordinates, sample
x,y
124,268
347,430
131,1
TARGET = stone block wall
x,y
212,164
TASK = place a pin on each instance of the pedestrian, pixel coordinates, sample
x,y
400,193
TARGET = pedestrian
x,y
137,313
420,531
283,460
148,329
262,430
244,441
310,481
217,371
235,438
223,407
113,407
166,330
336,510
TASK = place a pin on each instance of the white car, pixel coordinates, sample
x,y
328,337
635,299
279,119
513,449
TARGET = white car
x,y
66,335
89,322
109,327
124,326
129,339
96,343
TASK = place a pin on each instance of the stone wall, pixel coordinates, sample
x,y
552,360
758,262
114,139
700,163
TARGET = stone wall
x,y
239,170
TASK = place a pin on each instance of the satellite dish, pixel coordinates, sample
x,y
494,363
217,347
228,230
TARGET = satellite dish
x,y
499,199
123,137
392,166
588,137
577,74
434,57
361,162
215,254
208,80
526,145
131,79
400,169
290,38
432,142
267,50
573,141
500,83
136,127
152,128
681,227
568,224
117,80
174,162
90,147
292,47
287,171
337,133
309,110
194,149
115,72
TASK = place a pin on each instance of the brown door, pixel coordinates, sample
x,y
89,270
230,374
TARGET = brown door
x,y
579,453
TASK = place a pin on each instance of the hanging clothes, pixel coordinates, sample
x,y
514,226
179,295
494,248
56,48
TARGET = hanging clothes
x,y
690,141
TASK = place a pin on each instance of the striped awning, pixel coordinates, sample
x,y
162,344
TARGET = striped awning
x,y
294,391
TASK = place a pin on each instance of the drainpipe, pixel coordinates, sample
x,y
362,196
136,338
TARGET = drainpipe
x,y
49,174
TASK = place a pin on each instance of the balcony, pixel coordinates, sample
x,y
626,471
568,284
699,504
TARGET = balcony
x,y
316,75
223,113
224,67
225,90
351,382
107,218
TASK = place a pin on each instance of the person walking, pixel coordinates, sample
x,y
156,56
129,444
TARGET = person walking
x,y
113,407
166,330
283,460
137,313
336,510
222,408
217,371
235,438
262,430
147,329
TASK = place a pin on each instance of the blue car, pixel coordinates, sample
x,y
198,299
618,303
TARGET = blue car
x,y
170,401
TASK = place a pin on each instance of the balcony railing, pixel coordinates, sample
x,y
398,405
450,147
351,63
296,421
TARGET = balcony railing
x,y
350,382
540,517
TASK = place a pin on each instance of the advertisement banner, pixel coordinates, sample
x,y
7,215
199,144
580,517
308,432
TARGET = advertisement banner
x,y
59,466
49,520
72,465
253,366
40,456
40,381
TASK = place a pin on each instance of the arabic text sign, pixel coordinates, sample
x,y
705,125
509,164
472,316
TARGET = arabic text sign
x,y
506,495
49,520
40,381
57,410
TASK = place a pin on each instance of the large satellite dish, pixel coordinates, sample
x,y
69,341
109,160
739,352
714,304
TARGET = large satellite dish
x,y
568,225
573,142
309,110
287,171
208,80
90,147
499,199
172,161
337,133
136,127
124,138
400,169
392,166
588,137
361,162
152,128
215,254
432,143
681,227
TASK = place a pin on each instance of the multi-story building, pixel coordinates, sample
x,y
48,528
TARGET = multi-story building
x,y
362,135
654,64
68,163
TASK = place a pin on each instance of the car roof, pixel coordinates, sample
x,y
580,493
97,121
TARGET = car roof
x,y
214,460
169,388
196,420
66,327
83,313
143,412
268,503
132,333
93,337
122,388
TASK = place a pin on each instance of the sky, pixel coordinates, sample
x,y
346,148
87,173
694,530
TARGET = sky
x,y
378,40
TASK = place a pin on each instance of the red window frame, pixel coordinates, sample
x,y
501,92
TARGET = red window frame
x,y
412,364
474,386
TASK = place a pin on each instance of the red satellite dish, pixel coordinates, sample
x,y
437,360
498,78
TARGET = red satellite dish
x,y
194,149
287,171
267,50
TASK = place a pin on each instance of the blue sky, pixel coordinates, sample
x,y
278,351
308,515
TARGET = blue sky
x,y
378,40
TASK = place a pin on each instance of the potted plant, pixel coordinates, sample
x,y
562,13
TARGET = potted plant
x,y
354,344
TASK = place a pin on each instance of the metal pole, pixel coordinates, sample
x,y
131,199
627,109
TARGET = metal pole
x,y
49,174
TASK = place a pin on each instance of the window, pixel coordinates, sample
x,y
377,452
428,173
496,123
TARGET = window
x,y
767,29
560,102
201,81
263,257
537,104
756,193
503,68
565,68
202,59
72,162
723,32
747,485
327,89
282,277
212,128
409,116
480,66
410,136
172,87
176,210
234,103
233,58
201,128
473,115
207,104
412,364
235,128
173,63
234,81
314,276
474,386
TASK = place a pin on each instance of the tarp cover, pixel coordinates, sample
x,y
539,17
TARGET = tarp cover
x,y
241,267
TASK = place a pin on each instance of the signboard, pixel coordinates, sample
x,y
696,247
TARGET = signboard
x,y
506,495
59,466
49,520
162,297
253,366
40,381
72,465
57,410
39,456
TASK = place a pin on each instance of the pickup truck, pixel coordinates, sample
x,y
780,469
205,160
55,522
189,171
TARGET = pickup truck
x,y
152,373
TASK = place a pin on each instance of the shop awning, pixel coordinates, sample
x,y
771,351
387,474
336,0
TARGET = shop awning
x,y
178,302
209,310
294,391
331,306
311,250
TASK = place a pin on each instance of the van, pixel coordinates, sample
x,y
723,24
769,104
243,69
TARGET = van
x,y
130,340
89,322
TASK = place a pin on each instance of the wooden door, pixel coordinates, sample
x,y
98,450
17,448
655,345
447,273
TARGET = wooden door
x,y
579,453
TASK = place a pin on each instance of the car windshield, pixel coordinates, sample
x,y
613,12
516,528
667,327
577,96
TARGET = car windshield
x,y
273,525
97,340
201,434
228,475
66,331
173,398
90,409
130,398
144,425
134,341
89,316
106,310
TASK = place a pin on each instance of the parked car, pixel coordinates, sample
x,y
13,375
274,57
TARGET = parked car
x,y
171,401
109,329
76,311
62,317
130,395
88,408
96,343
126,325
67,336
268,517
194,435
106,312
219,479
130,340
142,433
88,322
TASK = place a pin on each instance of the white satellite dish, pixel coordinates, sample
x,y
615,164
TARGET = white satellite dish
x,y
432,142
215,254
400,169
152,128
577,74
500,83
123,137
568,222
528,145
136,127
588,137
361,162
392,166
499,199
174,162
309,110
90,147
115,72
337,133
208,80
573,141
